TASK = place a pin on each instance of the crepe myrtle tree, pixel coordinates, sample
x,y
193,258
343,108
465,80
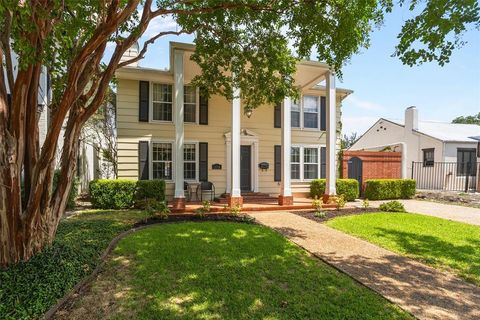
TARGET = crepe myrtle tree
x,y
250,39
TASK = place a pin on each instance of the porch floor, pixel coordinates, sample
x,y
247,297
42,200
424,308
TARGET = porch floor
x,y
298,204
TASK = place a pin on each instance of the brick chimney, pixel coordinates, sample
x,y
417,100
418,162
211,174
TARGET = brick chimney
x,y
411,118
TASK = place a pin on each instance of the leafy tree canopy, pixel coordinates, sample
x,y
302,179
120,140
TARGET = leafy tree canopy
x,y
475,119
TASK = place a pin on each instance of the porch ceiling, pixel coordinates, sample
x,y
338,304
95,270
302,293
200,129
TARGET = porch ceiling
x,y
309,74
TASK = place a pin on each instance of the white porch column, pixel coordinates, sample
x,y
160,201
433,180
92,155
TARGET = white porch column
x,y
179,200
285,197
235,194
330,188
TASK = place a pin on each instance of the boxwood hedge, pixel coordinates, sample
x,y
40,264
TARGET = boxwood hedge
x,y
346,187
122,194
385,189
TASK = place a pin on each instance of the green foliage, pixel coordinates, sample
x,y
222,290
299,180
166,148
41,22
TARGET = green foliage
x,y
320,214
346,141
150,189
235,210
384,189
365,204
205,208
444,244
317,204
201,264
346,187
72,195
112,194
475,119
340,201
29,289
392,206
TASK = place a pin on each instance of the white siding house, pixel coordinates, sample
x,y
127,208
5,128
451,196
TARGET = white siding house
x,y
436,154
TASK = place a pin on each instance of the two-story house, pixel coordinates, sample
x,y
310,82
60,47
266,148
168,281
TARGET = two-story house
x,y
167,129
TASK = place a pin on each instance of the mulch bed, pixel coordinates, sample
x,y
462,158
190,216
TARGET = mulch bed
x,y
331,214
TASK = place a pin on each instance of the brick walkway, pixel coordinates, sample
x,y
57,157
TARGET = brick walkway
x,y
446,211
423,291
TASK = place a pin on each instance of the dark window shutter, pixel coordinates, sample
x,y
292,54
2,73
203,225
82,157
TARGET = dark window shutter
x,y
323,162
203,161
143,103
203,118
277,167
277,116
323,113
143,163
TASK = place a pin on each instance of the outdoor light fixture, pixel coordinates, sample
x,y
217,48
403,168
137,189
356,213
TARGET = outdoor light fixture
x,y
248,113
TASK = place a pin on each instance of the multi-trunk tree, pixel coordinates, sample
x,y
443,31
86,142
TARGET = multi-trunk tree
x,y
70,37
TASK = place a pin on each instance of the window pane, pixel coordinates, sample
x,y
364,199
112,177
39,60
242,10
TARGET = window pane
x,y
295,155
310,104
162,152
310,155
295,121
162,170
295,172
295,106
189,152
189,170
162,111
162,92
310,171
190,94
310,120
189,114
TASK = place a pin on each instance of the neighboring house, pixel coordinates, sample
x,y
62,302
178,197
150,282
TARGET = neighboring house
x,y
169,130
439,155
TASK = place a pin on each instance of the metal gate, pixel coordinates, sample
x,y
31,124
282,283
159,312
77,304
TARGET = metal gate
x,y
447,176
355,171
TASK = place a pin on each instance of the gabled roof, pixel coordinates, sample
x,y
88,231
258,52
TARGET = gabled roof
x,y
448,132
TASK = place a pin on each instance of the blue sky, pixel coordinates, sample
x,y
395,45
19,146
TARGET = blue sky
x,y
383,86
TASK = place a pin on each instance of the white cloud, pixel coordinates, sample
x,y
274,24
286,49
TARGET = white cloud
x,y
357,124
357,102
159,24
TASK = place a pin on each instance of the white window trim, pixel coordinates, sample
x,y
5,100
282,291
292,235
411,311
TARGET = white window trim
x,y
302,162
174,158
302,115
150,112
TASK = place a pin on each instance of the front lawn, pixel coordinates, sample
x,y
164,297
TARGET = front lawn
x,y
222,270
437,242
29,289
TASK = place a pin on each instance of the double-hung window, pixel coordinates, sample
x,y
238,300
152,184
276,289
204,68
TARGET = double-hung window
x,y
162,102
190,104
295,163
466,161
162,160
306,113
310,112
428,157
305,163
190,161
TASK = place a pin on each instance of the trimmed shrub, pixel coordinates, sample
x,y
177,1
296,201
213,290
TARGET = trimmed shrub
x,y
346,187
392,206
150,189
112,194
384,189
72,195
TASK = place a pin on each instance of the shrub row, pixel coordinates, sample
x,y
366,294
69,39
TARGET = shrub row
x,y
384,189
346,187
122,194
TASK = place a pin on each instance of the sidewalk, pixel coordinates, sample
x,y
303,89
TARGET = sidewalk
x,y
423,291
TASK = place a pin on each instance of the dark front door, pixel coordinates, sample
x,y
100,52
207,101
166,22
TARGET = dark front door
x,y
246,168
355,170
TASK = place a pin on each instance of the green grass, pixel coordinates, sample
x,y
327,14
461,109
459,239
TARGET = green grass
x,y
221,270
27,290
438,242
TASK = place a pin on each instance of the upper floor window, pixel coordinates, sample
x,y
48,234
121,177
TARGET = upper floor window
x,y
162,102
306,113
428,157
190,104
